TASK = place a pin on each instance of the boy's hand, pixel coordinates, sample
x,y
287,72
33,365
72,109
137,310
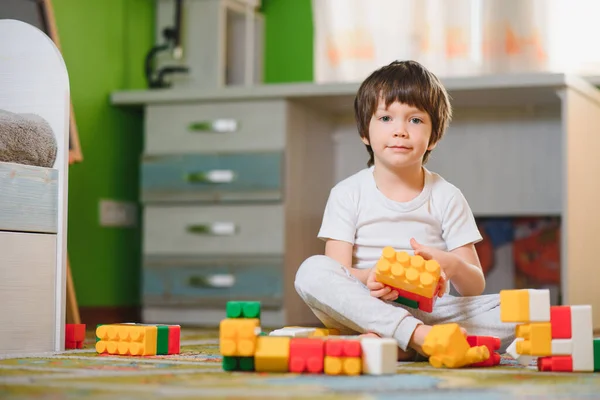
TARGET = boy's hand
x,y
445,259
378,289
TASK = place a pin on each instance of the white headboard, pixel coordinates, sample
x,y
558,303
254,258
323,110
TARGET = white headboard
x,y
34,79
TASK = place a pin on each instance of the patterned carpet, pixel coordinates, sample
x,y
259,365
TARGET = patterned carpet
x,y
196,373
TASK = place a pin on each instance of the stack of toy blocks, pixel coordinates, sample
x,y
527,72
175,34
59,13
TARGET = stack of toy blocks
x,y
74,336
416,280
138,339
447,346
561,337
298,349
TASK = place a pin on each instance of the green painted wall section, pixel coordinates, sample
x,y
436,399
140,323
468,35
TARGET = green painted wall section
x,y
103,44
288,41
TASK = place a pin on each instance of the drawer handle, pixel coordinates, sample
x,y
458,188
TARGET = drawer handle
x,y
214,229
223,125
223,281
213,176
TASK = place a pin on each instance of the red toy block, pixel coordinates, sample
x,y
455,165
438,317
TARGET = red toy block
x,y
492,343
74,336
555,364
307,355
342,348
174,339
560,318
425,303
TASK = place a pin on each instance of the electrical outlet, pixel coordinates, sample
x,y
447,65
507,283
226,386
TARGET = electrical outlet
x,y
119,214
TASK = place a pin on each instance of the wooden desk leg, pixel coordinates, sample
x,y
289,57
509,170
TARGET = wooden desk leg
x,y
72,307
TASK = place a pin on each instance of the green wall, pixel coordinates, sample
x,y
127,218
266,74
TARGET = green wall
x,y
103,43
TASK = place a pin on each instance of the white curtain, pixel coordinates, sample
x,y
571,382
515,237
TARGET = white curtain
x,y
455,37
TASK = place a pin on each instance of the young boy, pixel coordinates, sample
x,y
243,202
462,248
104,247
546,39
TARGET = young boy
x,y
402,111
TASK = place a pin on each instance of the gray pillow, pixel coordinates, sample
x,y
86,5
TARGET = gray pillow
x,y
26,139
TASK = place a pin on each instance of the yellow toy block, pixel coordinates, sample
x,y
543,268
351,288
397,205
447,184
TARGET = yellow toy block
x,y
125,339
406,272
342,365
537,339
325,332
237,336
272,354
514,305
447,346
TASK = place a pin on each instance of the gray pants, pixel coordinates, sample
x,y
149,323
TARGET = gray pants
x,y
341,301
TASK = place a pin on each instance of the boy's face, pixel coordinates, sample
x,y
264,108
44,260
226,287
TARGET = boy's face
x,y
399,135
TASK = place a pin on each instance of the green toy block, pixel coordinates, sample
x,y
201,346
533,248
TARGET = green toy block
x,y
162,339
596,354
97,338
243,309
407,302
238,363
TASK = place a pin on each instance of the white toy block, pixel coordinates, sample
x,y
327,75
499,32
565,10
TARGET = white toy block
x,y
539,305
294,331
521,359
562,347
379,356
582,336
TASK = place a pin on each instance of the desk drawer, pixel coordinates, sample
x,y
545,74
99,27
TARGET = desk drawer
x,y
226,229
212,177
210,127
210,281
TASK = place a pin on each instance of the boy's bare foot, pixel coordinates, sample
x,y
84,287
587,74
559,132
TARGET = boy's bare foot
x,y
402,355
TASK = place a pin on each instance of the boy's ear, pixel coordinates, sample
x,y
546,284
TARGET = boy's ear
x,y
432,145
365,140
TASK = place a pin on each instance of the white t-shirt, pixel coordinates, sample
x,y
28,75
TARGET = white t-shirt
x,y
358,213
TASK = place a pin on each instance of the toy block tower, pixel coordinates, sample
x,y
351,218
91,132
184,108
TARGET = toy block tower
x,y
138,339
416,280
560,336
238,335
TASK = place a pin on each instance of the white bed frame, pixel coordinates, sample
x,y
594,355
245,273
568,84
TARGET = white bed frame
x,y
33,200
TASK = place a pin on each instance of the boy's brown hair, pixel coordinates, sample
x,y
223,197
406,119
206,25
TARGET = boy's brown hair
x,y
406,82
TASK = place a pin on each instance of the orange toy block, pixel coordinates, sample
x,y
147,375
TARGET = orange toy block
x,y
237,336
409,273
447,346
126,339
492,343
537,339
343,357
272,354
74,336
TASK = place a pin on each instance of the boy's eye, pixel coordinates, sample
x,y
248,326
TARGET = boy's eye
x,y
385,118
416,120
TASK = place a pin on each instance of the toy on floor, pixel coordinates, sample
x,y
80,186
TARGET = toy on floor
x,y
416,280
446,345
298,349
74,336
561,337
138,339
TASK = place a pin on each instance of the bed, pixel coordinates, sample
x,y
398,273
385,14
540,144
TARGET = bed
x,y
33,199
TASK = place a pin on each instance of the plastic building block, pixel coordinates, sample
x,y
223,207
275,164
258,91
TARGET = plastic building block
x,y
379,356
325,332
74,336
560,318
555,364
447,346
423,303
238,336
307,355
243,309
537,339
407,302
525,305
127,339
293,331
492,343
596,354
583,338
521,359
238,363
174,339
410,273
272,354
343,357
562,347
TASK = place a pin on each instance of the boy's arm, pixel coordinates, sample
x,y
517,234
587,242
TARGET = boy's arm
x,y
341,252
460,265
